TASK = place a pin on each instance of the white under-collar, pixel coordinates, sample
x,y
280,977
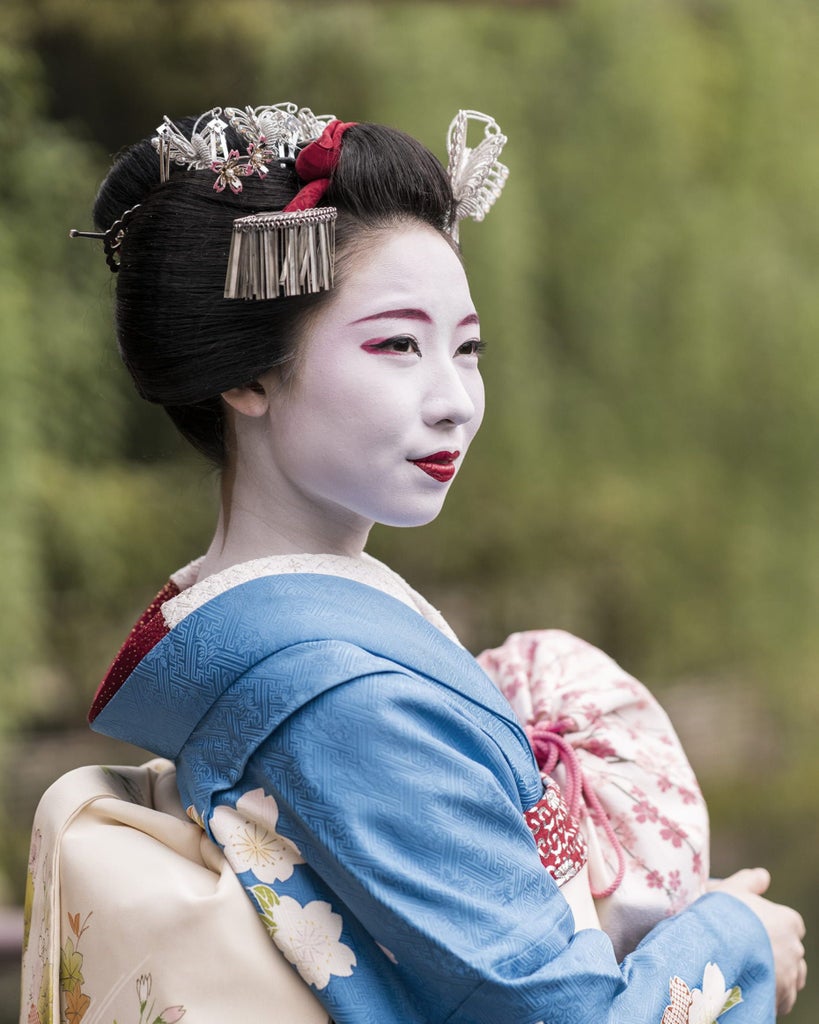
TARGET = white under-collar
x,y
367,570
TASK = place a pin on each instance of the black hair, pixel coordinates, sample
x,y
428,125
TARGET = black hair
x,y
182,342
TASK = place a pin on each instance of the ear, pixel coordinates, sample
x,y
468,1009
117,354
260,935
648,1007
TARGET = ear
x,y
250,399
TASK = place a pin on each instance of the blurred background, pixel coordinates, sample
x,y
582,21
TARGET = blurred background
x,y
647,473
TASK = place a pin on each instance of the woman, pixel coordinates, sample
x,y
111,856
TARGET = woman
x,y
369,785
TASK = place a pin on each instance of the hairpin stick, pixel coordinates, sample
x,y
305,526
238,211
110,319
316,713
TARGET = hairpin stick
x,y
111,239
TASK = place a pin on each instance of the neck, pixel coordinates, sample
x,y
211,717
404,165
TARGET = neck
x,y
257,519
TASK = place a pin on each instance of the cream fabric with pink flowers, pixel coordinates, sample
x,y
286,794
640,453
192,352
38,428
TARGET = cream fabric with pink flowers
x,y
619,761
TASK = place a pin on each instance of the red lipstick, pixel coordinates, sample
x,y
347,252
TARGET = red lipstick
x,y
440,465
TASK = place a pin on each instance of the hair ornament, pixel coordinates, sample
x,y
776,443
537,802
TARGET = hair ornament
x,y
274,254
204,147
270,132
281,127
291,251
477,175
111,239
283,253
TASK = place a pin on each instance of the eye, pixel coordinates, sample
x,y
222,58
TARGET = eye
x,y
473,347
399,345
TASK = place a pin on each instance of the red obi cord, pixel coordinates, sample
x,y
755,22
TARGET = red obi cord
x,y
314,165
560,843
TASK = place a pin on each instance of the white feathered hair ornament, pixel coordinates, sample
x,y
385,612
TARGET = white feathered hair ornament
x,y
477,175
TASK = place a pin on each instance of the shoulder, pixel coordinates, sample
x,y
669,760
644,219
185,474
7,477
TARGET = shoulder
x,y
392,716
332,710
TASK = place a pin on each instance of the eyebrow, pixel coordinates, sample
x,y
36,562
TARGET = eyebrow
x,y
397,314
413,314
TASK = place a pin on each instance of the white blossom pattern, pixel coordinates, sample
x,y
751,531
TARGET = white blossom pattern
x,y
309,938
713,999
701,1006
250,840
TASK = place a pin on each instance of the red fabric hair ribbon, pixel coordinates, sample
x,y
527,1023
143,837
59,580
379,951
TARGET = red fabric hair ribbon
x,y
315,163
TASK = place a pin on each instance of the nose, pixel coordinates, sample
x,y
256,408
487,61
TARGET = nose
x,y
452,396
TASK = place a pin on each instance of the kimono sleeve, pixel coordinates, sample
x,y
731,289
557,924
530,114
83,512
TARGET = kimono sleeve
x,y
406,817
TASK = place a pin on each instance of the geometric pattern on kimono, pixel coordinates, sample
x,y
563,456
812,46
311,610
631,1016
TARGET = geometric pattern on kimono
x,y
394,778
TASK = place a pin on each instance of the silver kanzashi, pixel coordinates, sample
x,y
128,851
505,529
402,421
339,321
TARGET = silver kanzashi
x,y
206,144
270,133
274,255
477,175
280,127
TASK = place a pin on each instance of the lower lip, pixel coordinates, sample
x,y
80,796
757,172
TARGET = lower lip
x,y
443,472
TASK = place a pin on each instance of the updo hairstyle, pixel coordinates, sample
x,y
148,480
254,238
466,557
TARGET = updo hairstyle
x,y
181,340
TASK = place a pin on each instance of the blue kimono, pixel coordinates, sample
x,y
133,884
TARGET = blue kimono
x,y
368,784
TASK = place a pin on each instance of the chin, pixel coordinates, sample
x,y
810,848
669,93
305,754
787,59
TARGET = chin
x,y
411,516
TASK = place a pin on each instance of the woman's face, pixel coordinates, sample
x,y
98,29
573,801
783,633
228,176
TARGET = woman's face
x,y
387,396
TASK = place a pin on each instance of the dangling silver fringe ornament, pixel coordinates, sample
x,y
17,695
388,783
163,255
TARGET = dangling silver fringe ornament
x,y
281,254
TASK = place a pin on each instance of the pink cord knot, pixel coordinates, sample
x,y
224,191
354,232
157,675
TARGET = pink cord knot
x,y
551,748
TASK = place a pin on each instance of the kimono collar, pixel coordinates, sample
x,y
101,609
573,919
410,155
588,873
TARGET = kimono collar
x,y
259,628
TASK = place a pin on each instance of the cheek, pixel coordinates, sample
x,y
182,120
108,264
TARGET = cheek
x,y
478,396
364,375
347,390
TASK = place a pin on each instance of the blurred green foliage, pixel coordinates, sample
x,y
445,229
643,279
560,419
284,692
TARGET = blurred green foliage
x,y
646,475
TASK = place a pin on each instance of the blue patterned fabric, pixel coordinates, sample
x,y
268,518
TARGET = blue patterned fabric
x,y
397,772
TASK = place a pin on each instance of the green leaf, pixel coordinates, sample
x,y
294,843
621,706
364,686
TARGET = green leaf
x,y
267,900
734,997
70,967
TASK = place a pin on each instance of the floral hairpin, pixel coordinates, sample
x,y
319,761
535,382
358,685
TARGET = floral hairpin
x,y
477,176
271,133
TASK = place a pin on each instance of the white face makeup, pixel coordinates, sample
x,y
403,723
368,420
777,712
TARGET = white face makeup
x,y
387,395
